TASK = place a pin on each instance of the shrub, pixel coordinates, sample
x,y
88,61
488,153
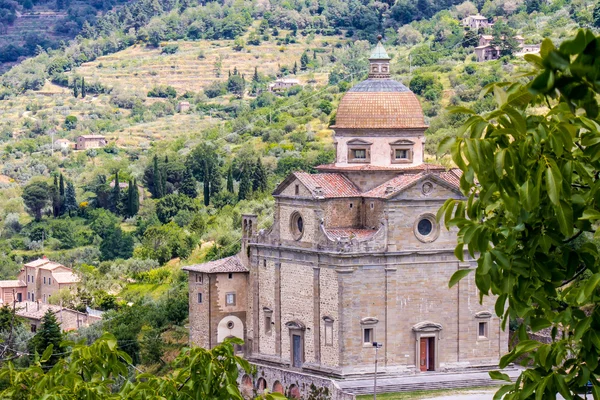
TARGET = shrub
x,y
163,91
70,122
170,49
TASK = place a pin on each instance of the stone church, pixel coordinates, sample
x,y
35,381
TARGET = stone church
x,y
355,255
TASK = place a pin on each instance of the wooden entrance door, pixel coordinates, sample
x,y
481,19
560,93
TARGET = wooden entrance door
x,y
427,354
423,354
297,351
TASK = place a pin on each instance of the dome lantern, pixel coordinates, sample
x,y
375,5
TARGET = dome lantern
x,y
379,61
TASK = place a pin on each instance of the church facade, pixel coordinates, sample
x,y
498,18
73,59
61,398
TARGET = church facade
x,y
355,256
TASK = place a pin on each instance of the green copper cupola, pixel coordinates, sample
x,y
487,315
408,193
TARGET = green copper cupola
x,y
379,61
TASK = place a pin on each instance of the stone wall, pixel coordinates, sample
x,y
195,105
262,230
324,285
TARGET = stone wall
x,y
293,384
221,313
199,312
343,213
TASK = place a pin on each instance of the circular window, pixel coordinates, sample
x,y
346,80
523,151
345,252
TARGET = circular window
x,y
426,228
230,325
297,225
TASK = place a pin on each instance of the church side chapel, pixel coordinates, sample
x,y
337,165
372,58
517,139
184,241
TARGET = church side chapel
x,y
355,255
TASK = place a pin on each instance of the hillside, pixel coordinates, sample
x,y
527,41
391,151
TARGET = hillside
x,y
198,170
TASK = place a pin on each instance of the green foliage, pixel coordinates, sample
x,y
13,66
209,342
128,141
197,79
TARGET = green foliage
x,y
259,177
170,49
49,336
164,242
163,91
36,196
116,244
532,192
471,39
70,122
596,15
245,189
236,85
167,207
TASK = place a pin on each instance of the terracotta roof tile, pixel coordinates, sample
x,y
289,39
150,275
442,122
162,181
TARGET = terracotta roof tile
x,y
394,185
12,284
381,110
65,277
224,265
452,176
328,185
351,233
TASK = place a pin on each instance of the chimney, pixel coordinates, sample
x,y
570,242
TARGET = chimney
x,y
389,189
38,304
318,191
44,257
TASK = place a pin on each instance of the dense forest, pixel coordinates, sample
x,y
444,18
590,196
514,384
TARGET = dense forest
x,y
170,187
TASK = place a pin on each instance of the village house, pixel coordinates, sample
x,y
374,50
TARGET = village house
x,y
63,144
485,51
38,281
33,289
355,255
85,142
34,311
283,84
474,22
183,106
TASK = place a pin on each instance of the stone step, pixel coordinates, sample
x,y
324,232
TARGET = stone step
x,y
413,386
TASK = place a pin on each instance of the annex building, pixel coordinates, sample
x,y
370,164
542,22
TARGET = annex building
x,y
355,255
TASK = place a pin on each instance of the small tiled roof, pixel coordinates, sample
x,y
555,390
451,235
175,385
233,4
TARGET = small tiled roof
x,y
37,263
452,176
352,233
65,277
92,136
487,37
477,17
379,109
12,284
395,184
332,185
52,266
224,265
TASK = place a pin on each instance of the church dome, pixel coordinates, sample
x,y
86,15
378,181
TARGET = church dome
x,y
379,102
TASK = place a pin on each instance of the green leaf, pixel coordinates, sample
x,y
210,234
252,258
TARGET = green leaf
x,y
591,214
500,304
553,183
564,214
499,376
458,275
590,286
546,47
534,59
486,263
537,324
47,353
581,328
446,144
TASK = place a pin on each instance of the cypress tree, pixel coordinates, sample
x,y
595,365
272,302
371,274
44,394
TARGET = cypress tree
x,y
295,69
55,198
304,61
115,196
61,194
245,186
230,179
255,77
206,185
83,88
259,177
129,208
188,185
135,199
163,176
156,180
70,199
75,89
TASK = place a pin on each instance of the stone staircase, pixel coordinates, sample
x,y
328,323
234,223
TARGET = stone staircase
x,y
429,381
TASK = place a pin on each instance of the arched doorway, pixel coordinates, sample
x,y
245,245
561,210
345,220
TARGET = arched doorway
x,y
261,385
294,392
278,387
247,387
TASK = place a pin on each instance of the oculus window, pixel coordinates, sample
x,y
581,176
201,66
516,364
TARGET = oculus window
x,y
426,228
